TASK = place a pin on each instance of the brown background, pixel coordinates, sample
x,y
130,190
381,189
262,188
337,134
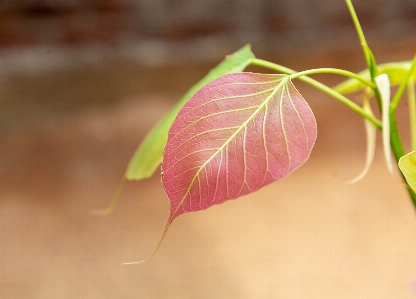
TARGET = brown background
x,y
74,109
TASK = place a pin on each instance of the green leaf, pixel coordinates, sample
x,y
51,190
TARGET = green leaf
x,y
407,165
148,156
395,70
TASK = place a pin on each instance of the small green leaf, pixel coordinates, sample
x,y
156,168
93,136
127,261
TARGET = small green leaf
x,y
407,165
396,71
148,156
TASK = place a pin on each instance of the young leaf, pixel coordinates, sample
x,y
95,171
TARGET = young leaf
x,y
383,85
396,71
148,156
407,165
236,135
370,130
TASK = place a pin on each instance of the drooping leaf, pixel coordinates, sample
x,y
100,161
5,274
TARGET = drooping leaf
x,y
371,133
148,156
396,71
237,134
383,85
407,165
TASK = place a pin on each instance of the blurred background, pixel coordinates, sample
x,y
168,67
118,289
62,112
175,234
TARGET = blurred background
x,y
81,82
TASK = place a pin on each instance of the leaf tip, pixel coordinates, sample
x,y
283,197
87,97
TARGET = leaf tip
x,y
157,246
110,208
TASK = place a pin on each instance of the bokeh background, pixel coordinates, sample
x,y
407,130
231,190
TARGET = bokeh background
x,y
82,81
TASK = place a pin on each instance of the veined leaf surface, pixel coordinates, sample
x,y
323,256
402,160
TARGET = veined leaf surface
x,y
237,134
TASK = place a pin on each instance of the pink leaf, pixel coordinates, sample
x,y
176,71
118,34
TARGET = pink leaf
x,y
237,134
234,136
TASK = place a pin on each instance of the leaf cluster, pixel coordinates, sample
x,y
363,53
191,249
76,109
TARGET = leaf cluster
x,y
234,132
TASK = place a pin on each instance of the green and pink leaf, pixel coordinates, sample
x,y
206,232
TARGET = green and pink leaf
x,y
236,135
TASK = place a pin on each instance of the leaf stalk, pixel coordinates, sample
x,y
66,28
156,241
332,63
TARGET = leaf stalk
x,y
335,71
412,113
320,86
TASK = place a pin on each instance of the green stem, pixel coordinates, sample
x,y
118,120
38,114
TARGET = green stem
x,y
395,140
398,151
335,71
356,22
412,113
369,57
397,97
320,86
358,28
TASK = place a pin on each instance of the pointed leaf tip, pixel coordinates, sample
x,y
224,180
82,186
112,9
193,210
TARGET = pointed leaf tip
x,y
237,134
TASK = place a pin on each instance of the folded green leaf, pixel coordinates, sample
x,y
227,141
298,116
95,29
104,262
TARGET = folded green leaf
x,y
407,165
395,70
371,61
148,156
